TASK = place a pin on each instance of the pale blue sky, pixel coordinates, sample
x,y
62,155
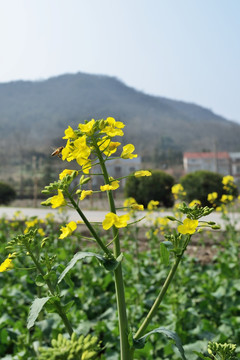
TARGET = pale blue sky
x,y
181,49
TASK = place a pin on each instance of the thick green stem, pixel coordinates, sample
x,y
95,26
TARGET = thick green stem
x,y
158,300
58,306
119,284
89,226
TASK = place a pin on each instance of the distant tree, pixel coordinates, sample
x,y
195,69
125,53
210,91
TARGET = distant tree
x,y
155,187
199,184
7,194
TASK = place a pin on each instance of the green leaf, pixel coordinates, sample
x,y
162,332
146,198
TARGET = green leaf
x,y
109,264
39,281
112,264
164,254
170,334
35,309
202,356
68,306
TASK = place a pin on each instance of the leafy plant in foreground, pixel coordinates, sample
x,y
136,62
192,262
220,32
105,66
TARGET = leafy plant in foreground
x,y
91,146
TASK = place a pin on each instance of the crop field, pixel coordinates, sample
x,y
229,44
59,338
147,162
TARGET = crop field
x,y
167,288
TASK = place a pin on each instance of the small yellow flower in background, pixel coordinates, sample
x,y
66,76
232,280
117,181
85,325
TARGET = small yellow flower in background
x,y
228,179
194,202
129,201
41,232
141,173
7,264
188,227
69,133
162,221
113,219
226,198
112,186
68,229
64,173
85,193
87,128
139,207
212,196
58,200
49,217
127,152
152,204
178,190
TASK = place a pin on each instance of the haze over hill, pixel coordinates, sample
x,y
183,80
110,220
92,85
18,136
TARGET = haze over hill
x,y
35,114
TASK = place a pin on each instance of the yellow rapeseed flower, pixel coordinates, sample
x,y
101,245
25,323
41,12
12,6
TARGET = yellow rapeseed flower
x,y
129,201
226,198
87,128
152,204
194,202
212,197
137,207
113,219
127,152
107,146
69,133
227,179
141,173
112,186
112,127
68,229
163,221
85,193
58,200
65,172
188,227
7,264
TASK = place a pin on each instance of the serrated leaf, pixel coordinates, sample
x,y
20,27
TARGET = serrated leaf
x,y
164,254
35,309
170,334
109,264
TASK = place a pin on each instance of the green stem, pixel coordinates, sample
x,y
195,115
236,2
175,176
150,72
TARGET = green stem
x,y
58,306
88,224
119,284
158,300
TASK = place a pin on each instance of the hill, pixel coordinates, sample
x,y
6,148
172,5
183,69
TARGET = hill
x,y
35,114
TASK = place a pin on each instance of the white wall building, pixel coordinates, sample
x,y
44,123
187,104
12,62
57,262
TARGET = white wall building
x,y
219,162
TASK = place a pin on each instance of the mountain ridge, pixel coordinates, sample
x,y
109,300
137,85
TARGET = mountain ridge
x,y
38,112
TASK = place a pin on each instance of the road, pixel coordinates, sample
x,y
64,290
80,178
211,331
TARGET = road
x,y
98,215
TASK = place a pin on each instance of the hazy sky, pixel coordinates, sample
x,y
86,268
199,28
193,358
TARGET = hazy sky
x,y
181,49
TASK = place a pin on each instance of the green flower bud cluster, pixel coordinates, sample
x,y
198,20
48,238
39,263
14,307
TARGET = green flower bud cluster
x,y
18,243
176,243
222,351
195,212
82,348
60,184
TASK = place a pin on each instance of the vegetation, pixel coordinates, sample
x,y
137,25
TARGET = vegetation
x,y
7,194
156,187
201,183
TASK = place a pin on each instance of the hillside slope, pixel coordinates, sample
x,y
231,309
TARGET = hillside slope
x,y
36,113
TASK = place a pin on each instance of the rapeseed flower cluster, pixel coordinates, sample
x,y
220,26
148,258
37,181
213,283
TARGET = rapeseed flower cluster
x,y
89,145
